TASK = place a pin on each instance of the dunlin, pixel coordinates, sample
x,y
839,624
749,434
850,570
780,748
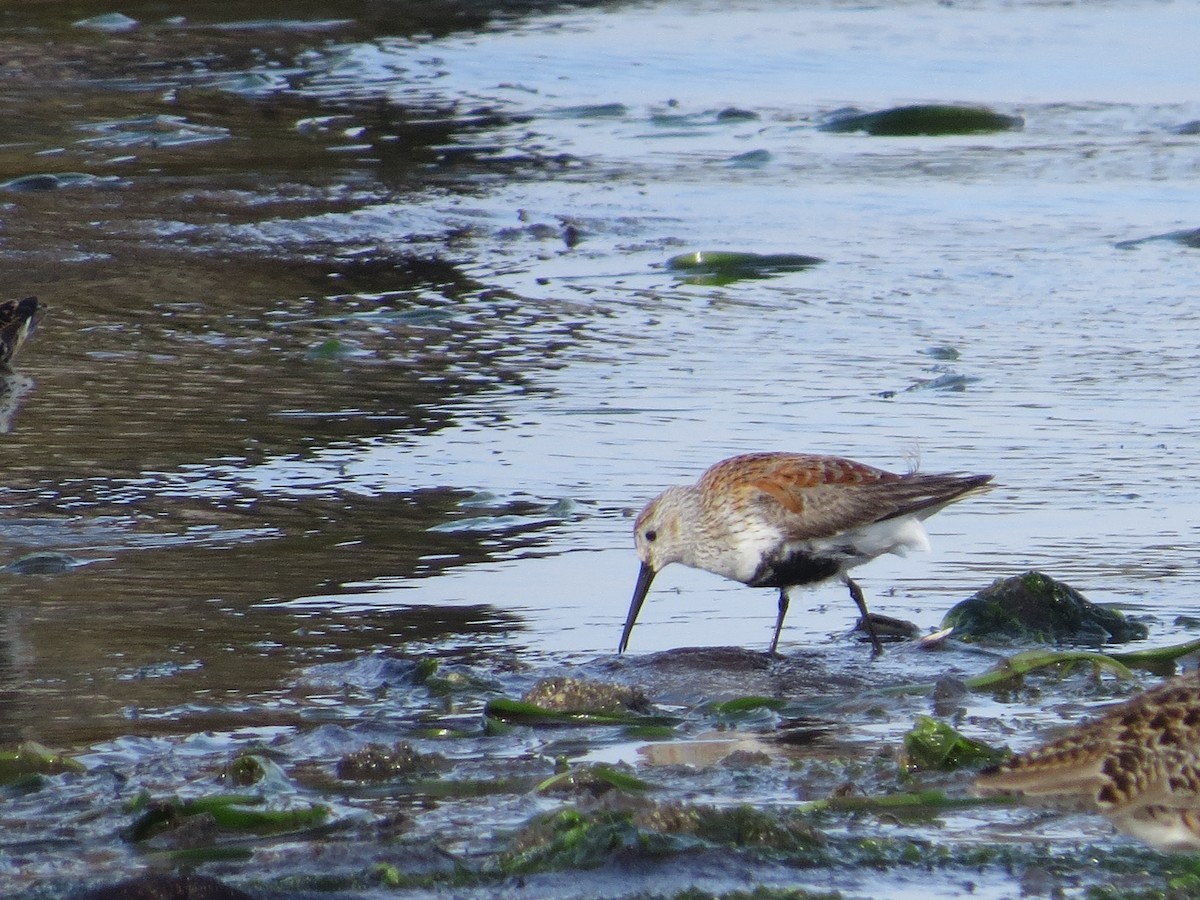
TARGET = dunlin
x,y
1138,764
782,520
17,320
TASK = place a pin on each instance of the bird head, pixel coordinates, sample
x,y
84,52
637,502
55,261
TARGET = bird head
x,y
658,536
658,531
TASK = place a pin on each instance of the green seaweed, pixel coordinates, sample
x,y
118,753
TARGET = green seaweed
x,y
569,839
929,800
650,732
746,704
262,821
245,770
331,349
1020,664
452,682
1160,660
426,668
747,826
31,758
593,777
519,713
230,812
195,856
931,744
719,267
1031,660
494,727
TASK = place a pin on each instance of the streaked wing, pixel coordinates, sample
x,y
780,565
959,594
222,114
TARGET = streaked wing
x,y
1067,767
810,496
1140,753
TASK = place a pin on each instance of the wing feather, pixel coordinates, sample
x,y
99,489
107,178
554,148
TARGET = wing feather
x,y
809,496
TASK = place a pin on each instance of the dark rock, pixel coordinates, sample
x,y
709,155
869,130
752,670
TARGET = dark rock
x,y
1035,607
889,628
949,694
923,119
46,563
734,114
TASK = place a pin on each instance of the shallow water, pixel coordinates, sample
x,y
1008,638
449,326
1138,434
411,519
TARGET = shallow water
x,y
360,340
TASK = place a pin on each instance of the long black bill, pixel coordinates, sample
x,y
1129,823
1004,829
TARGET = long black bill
x,y
645,576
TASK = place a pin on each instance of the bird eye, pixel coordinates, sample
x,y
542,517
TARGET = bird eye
x,y
651,535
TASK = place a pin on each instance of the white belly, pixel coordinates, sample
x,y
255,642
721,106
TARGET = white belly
x,y
743,560
859,545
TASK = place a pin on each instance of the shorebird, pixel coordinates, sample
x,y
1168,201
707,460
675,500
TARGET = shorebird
x,y
1138,764
17,320
782,520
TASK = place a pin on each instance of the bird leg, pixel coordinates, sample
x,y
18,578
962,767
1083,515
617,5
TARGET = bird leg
x,y
857,594
783,608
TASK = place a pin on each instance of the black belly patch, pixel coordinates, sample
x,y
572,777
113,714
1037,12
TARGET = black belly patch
x,y
796,569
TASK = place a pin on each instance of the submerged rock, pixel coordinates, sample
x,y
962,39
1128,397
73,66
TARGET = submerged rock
x,y
53,181
112,23
751,159
1035,607
43,563
923,119
378,763
736,114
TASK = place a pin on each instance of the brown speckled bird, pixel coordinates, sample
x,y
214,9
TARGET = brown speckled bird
x,y
1138,764
782,520
18,318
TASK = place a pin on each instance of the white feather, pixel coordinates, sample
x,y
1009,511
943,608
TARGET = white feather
x,y
896,536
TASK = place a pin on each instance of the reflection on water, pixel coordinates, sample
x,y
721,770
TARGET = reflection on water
x,y
362,340
305,321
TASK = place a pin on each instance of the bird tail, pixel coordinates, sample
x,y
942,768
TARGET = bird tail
x,y
923,495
